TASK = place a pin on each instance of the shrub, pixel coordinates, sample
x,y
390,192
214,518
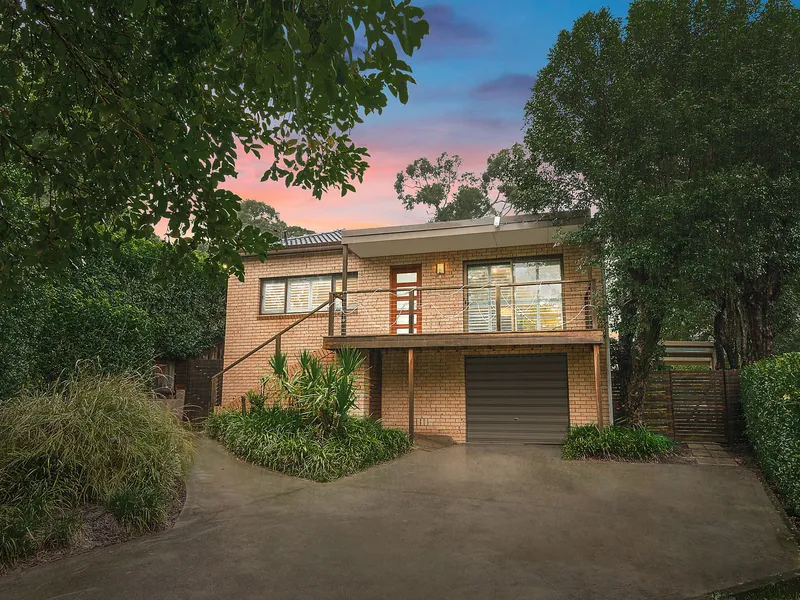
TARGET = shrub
x,y
771,400
323,394
90,439
121,308
280,438
256,400
307,430
633,443
139,508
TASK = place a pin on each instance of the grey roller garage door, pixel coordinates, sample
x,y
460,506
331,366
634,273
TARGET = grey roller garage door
x,y
517,399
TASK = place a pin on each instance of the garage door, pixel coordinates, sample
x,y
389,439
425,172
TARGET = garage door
x,y
517,399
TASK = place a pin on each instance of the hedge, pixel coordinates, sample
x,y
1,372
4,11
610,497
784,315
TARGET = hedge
x,y
118,310
771,400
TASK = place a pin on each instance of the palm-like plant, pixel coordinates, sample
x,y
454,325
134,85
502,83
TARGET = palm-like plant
x,y
322,394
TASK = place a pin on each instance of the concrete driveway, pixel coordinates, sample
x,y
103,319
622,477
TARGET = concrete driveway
x,y
480,522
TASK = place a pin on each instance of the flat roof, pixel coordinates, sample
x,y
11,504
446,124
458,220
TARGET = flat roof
x,y
488,232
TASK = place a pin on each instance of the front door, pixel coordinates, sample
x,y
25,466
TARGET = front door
x,y
404,281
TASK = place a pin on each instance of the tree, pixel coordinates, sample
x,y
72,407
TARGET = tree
x,y
120,309
127,112
266,218
452,195
680,130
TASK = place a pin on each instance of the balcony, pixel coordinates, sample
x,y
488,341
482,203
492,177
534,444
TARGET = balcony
x,y
536,313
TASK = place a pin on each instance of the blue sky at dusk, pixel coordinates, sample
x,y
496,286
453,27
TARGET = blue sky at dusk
x,y
474,74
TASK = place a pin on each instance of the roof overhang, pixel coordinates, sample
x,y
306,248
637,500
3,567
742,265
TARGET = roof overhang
x,y
519,230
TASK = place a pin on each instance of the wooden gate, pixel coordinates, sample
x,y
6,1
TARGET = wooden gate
x,y
691,406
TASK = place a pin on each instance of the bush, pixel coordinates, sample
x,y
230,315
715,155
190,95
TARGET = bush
x,y
323,394
139,508
90,439
771,401
130,301
307,430
281,439
632,443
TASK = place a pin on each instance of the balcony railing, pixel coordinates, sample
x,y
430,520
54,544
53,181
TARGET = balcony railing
x,y
542,306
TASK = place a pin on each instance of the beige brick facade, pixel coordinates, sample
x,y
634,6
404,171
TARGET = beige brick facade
x,y
440,395
439,373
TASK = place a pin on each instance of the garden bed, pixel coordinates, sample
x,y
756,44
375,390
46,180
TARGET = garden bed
x,y
302,423
279,439
99,528
85,463
618,443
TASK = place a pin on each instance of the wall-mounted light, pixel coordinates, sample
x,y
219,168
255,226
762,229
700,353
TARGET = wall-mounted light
x,y
439,269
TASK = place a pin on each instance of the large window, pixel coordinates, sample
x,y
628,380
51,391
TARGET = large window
x,y
535,307
301,294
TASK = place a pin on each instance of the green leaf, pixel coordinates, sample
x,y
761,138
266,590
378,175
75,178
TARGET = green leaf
x,y
138,7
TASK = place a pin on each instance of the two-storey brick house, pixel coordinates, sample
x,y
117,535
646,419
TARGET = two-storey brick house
x,y
483,330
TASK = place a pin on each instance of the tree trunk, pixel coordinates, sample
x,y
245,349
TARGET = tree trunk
x,y
743,324
640,333
644,356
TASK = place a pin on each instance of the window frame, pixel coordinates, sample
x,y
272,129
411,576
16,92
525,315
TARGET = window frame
x,y
510,261
286,279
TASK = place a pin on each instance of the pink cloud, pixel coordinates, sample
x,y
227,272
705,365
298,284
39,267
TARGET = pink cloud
x,y
392,146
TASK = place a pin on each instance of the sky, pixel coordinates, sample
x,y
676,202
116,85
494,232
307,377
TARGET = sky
x,y
473,73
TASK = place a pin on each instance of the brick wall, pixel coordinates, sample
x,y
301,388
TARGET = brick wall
x,y
443,310
440,395
440,404
245,328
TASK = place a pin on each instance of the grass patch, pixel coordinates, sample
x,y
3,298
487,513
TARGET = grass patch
x,y
281,439
93,439
614,442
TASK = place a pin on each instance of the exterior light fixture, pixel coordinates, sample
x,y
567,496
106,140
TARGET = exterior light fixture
x,y
439,270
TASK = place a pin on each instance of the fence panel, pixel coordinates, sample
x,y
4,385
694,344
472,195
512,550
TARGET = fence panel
x,y
199,399
658,406
691,406
698,402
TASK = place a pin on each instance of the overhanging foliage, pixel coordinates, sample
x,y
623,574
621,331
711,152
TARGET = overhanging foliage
x,y
127,112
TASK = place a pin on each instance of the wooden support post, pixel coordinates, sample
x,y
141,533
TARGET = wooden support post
x,y
411,393
411,309
277,345
498,313
331,313
598,395
345,253
244,405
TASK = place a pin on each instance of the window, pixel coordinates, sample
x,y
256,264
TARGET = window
x,y
536,307
301,294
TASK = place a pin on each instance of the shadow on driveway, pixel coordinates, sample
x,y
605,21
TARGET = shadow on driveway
x,y
478,522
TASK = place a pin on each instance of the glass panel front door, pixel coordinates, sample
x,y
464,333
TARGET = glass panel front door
x,y
404,282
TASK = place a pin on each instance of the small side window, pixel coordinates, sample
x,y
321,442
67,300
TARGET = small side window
x,y
273,296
